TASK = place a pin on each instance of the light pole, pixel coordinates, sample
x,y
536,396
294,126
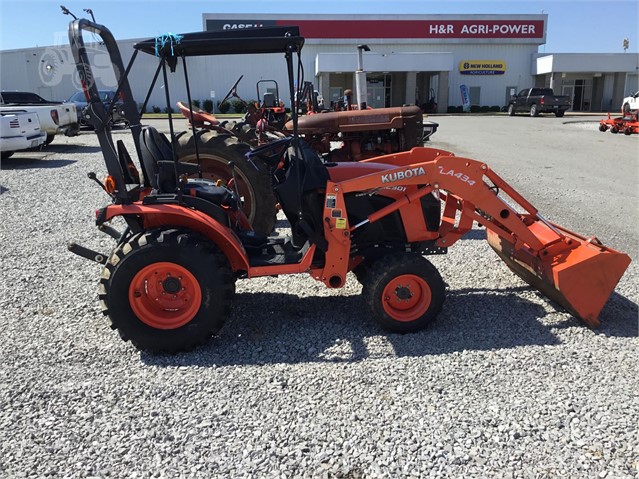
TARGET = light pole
x,y
360,77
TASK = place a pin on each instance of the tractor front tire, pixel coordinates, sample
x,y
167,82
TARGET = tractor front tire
x,y
167,291
404,292
216,150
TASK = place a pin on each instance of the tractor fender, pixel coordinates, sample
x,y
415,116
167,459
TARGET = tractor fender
x,y
165,215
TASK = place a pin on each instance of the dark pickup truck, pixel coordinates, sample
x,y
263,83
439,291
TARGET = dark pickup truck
x,y
538,100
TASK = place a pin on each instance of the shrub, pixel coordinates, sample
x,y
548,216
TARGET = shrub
x,y
196,103
474,109
223,107
484,108
239,106
207,105
156,109
169,109
451,109
495,108
459,109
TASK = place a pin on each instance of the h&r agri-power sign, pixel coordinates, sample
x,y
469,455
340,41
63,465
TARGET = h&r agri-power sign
x,y
440,28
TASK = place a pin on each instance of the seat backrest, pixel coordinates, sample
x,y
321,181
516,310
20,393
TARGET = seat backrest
x,y
155,147
269,100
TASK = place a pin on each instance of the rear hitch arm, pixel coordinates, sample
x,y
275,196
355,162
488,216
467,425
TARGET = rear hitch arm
x,y
87,253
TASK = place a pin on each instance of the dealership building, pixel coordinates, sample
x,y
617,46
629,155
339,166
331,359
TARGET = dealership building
x,y
408,59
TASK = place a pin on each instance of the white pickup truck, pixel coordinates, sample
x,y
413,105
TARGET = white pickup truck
x,y
55,117
630,103
19,131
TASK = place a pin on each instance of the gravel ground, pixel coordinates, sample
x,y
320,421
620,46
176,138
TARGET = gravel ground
x,y
300,382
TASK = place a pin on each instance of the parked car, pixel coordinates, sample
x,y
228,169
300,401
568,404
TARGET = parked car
x,y
630,103
538,100
80,102
19,131
54,116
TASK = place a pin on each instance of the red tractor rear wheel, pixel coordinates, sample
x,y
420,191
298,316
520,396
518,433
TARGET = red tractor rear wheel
x,y
215,151
404,292
167,290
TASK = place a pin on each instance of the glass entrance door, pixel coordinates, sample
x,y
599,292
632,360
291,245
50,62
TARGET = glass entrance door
x,y
568,90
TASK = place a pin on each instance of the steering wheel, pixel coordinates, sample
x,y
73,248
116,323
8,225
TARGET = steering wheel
x,y
277,149
232,91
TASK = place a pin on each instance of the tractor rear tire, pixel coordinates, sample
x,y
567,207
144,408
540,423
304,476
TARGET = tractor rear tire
x,y
187,305
244,131
404,292
216,150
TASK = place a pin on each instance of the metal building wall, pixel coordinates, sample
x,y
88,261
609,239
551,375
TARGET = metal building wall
x,y
25,70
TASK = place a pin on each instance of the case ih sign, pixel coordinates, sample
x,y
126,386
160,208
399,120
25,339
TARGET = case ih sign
x,y
385,29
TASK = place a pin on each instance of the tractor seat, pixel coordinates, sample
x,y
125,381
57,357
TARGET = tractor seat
x,y
157,156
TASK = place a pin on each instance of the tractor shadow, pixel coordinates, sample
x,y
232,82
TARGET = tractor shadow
x,y
30,162
270,328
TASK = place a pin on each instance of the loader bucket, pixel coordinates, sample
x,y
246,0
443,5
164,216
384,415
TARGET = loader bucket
x,y
578,273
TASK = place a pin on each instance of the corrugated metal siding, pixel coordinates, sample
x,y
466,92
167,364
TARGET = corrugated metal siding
x,y
21,70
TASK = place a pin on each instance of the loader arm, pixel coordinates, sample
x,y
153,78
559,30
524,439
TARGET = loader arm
x,y
577,272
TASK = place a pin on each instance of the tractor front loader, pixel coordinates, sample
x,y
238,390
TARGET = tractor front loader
x,y
168,284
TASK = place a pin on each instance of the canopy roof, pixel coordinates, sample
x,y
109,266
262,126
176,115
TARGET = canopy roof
x,y
224,42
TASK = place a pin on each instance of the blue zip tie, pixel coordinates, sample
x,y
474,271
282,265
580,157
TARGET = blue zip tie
x,y
162,40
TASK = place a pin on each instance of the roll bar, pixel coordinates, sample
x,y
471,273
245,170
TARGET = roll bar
x,y
97,114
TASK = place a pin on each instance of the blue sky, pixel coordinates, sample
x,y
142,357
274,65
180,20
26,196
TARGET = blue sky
x,y
586,26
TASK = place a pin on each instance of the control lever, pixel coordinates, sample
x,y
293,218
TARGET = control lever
x,y
91,175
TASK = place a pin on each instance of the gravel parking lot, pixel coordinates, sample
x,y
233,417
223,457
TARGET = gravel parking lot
x,y
300,382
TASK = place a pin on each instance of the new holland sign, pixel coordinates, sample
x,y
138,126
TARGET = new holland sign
x,y
482,67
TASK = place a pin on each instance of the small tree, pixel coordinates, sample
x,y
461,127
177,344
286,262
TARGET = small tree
x,y
223,107
239,106
196,103
207,105
156,109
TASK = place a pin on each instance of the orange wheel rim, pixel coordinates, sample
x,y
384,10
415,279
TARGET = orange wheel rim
x,y
406,298
165,295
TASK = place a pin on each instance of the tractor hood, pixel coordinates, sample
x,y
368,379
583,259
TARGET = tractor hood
x,y
357,120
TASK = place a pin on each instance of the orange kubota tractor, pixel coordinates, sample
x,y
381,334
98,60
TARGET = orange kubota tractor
x,y
168,284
